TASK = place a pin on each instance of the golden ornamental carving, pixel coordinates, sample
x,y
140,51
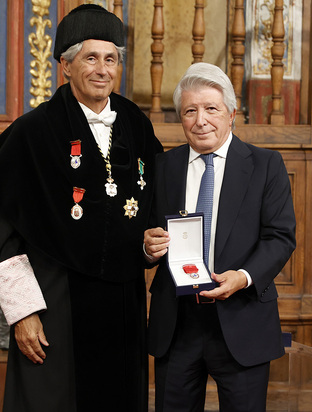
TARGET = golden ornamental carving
x,y
265,41
40,44
264,15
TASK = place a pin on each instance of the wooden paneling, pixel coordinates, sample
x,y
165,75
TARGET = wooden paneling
x,y
290,137
3,363
306,84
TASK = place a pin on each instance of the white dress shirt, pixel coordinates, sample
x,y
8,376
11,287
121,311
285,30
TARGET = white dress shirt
x,y
196,168
99,130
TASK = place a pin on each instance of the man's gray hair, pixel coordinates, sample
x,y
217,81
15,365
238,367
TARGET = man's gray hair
x,y
72,51
205,74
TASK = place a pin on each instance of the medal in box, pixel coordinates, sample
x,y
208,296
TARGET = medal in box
x,y
185,254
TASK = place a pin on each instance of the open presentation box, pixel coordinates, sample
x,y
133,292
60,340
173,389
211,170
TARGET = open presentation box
x,y
187,248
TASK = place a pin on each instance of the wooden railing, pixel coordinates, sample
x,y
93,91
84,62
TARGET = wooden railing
x,y
157,49
238,51
118,11
198,32
277,71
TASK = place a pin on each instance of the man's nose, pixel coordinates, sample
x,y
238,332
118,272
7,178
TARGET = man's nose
x,y
201,119
101,67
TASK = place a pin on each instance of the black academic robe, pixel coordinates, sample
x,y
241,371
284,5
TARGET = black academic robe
x,y
90,270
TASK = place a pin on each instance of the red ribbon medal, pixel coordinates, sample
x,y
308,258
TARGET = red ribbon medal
x,y
75,154
76,210
191,270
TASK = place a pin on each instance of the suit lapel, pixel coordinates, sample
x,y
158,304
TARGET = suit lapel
x,y
238,170
175,178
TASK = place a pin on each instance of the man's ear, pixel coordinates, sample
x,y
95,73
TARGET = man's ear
x,y
232,117
65,66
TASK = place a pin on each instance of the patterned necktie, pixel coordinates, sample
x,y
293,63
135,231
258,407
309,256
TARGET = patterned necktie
x,y
205,200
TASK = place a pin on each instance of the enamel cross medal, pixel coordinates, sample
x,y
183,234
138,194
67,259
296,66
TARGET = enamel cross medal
x,y
141,182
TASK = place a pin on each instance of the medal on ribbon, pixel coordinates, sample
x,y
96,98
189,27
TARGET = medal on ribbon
x,y
111,188
131,208
76,210
141,182
75,154
191,270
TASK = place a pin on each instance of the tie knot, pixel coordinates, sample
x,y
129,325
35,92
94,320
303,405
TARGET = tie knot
x,y
208,158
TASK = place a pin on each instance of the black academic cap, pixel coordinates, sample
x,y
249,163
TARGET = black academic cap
x,y
88,21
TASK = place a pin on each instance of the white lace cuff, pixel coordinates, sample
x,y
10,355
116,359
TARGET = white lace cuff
x,y
20,294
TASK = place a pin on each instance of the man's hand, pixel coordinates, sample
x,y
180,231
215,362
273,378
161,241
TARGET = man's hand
x,y
29,336
156,242
229,282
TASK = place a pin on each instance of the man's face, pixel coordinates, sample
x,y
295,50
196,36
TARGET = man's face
x,y
92,73
205,118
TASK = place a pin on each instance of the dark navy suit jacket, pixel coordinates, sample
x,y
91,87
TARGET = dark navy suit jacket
x,y
255,231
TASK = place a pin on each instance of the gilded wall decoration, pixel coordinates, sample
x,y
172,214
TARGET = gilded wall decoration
x,y
259,22
40,44
264,15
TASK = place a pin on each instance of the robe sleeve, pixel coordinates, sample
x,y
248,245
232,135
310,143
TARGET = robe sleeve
x,y
20,293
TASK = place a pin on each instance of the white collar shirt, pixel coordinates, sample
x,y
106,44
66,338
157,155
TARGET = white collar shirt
x,y
99,130
196,168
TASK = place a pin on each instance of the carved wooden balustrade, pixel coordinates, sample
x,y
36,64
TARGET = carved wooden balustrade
x,y
238,51
118,11
198,32
157,49
277,70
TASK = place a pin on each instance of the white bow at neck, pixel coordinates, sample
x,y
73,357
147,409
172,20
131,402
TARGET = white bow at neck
x,y
108,117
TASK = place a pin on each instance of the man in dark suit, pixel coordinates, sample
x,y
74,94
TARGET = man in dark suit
x,y
252,237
